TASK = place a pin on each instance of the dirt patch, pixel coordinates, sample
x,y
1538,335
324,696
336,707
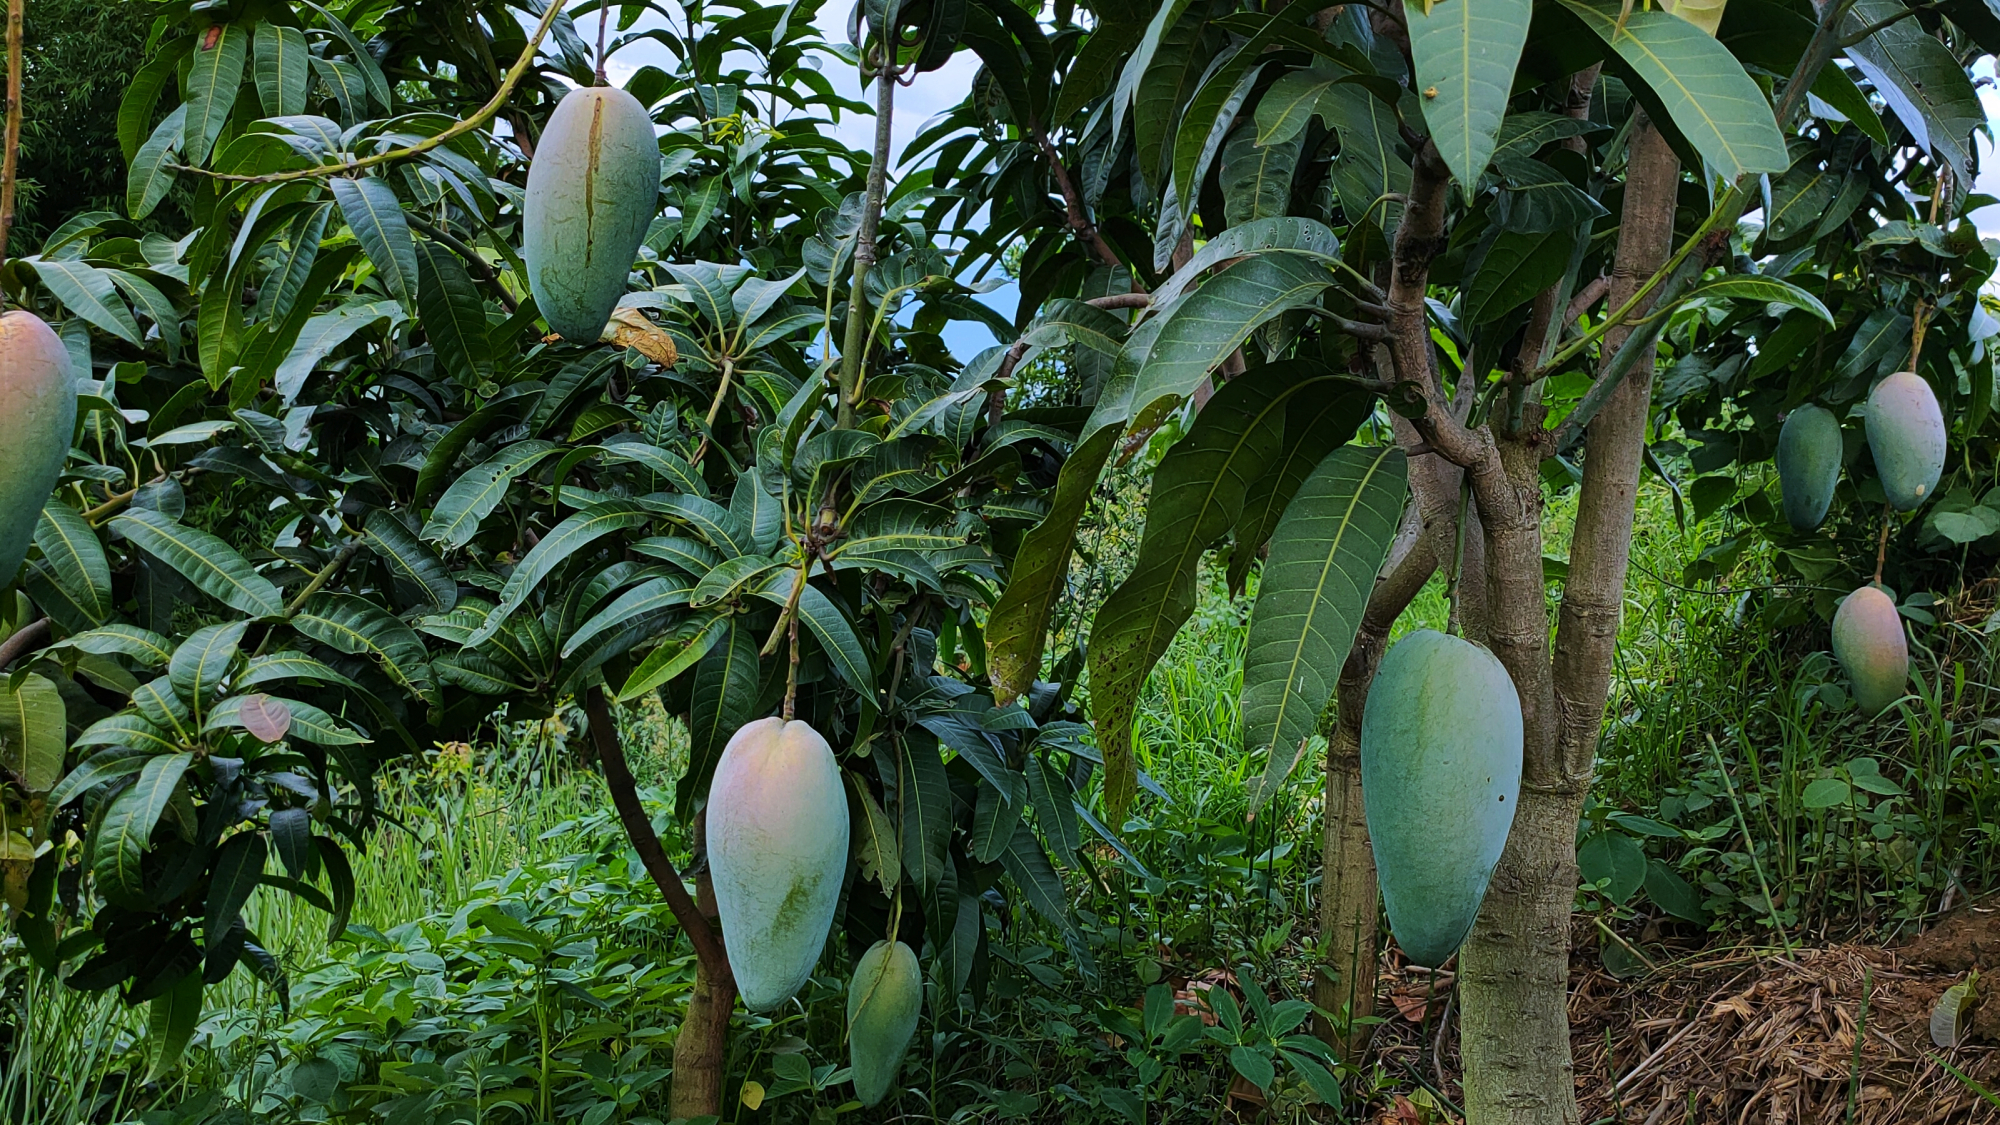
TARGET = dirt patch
x,y
1739,1036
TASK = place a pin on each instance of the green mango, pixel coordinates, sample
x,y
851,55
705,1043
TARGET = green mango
x,y
1906,436
1868,642
1808,464
1440,776
593,189
883,1001
777,853
35,429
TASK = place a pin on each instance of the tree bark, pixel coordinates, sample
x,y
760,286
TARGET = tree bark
x,y
701,1049
1514,968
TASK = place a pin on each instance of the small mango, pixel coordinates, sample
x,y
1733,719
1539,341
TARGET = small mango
x,y
1808,464
1906,436
38,417
1868,642
1441,745
777,853
883,1001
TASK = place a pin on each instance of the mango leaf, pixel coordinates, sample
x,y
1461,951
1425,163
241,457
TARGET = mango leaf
x,y
419,574
212,80
875,841
1923,84
321,334
1716,106
359,627
1256,178
829,627
75,560
1197,495
369,205
89,293
213,566
454,318
1215,319
1465,53
923,797
1368,168
170,1025
565,539
1324,556
1770,290
1516,265
1028,865
239,865
200,666
281,69
1318,420
1306,236
994,818
676,654
726,680
479,490
108,764
120,842
32,730
151,175
1170,79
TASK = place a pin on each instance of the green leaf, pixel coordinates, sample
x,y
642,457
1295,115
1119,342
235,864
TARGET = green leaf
x,y
1055,804
148,648
33,732
1028,865
728,579
710,520
359,627
1825,793
106,765
1316,423
1770,290
1307,236
369,205
1140,61
1169,81
151,177
1613,858
308,723
1110,42
1257,178
994,818
1465,53
142,96
89,293
1325,553
473,496
687,645
923,799
212,79
1197,495
75,559
1923,84
875,841
419,574
670,467
239,864
201,664
829,627
1368,167
1672,893
1255,1066
453,316
565,539
213,566
1716,106
127,827
647,597
1516,266
170,1025
282,70
273,667
1215,320
320,335
726,680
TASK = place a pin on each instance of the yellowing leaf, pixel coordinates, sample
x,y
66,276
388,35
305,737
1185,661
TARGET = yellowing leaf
x,y
629,328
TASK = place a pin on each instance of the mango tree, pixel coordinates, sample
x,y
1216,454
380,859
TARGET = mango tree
x,y
1481,214
336,493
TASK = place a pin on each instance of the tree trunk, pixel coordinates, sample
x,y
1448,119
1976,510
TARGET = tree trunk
x,y
701,1049
1514,969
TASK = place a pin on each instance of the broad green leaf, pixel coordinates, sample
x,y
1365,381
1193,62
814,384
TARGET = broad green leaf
x,y
1923,84
1028,865
1215,320
213,566
419,574
273,667
713,522
370,207
364,62
150,177
1257,178
127,728
479,490
321,335
1368,169
202,662
212,79
1716,106
1055,807
994,818
282,69
142,96
454,318
1611,857
359,627
1801,197
726,680
708,287
670,467
565,539
75,559
89,293
1324,556
679,652
108,764
1140,61
1291,102
239,865
149,649
127,827
665,592
171,1024
32,730
1770,290
875,842
1515,266
1197,495
728,579
1318,419
1305,236
1465,53
1170,79
1110,43
843,649
923,807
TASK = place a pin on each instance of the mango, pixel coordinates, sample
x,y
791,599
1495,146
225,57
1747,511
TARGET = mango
x,y
1868,642
593,189
777,851
1440,776
1808,464
1906,436
36,421
883,1001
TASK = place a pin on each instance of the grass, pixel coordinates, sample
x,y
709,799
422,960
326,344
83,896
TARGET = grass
x,y
1696,661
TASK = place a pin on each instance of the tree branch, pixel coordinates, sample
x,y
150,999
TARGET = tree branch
x,y
854,346
1120,301
1079,220
482,270
639,829
31,635
16,16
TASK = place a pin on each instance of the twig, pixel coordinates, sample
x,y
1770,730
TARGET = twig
x,y
481,269
1079,221
1589,295
639,829
855,342
1121,301
1649,1060
325,574
1882,544
29,636
436,140
16,16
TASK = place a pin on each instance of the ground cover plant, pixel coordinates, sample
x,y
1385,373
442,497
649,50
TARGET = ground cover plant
x,y
554,535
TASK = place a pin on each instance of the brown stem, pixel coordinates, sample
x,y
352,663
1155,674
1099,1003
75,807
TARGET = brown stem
x,y
639,829
32,635
17,11
702,1046
1079,220
1586,297
1881,547
1120,301
475,263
